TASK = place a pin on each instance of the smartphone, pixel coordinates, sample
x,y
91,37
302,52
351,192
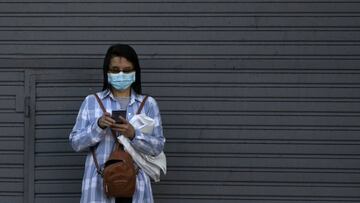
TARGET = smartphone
x,y
115,115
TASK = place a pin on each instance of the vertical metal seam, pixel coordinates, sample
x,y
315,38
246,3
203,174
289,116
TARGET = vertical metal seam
x,y
29,137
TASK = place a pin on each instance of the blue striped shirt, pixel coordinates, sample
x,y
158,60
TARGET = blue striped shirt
x,y
87,133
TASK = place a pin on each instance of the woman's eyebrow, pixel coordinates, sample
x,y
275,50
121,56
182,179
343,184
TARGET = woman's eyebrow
x,y
114,67
129,67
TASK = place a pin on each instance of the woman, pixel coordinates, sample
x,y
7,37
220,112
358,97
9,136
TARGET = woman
x,y
121,90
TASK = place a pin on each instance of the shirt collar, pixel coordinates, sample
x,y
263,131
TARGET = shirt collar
x,y
133,97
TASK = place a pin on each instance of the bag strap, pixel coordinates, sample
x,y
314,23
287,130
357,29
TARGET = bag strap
x,y
98,170
104,111
142,104
100,103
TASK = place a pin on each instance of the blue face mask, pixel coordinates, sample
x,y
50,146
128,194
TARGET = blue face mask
x,y
121,81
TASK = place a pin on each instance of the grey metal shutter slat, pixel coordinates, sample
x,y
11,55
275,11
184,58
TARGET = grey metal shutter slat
x,y
259,100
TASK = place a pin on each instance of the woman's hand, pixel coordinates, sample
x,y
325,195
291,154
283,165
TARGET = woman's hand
x,y
124,128
105,121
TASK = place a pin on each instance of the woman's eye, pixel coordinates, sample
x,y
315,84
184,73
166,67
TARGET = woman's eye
x,y
118,71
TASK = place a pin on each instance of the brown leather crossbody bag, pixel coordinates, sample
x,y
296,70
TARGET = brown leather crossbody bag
x,y
119,173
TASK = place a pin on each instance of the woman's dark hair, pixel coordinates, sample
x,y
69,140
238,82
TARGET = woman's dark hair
x,y
126,51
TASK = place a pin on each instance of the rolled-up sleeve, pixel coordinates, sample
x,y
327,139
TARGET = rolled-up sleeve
x,y
150,143
86,132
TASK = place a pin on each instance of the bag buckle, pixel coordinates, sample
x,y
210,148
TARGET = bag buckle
x,y
100,172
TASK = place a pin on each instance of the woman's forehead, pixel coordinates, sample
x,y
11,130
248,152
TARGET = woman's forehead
x,y
120,61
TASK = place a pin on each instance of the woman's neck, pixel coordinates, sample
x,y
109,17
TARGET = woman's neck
x,y
118,93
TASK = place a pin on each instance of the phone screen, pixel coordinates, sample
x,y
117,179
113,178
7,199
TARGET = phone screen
x,y
115,115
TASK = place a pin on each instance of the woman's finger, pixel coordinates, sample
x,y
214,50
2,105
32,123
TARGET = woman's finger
x,y
122,127
105,123
120,130
109,119
123,120
115,125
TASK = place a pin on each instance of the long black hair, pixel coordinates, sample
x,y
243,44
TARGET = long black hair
x,y
126,51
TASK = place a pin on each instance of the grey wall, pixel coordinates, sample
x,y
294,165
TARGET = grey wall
x,y
259,100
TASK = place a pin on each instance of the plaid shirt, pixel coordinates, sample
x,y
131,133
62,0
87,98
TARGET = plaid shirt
x,y
87,133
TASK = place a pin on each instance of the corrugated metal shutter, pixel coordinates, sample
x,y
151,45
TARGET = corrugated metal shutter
x,y
12,136
259,100
58,170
